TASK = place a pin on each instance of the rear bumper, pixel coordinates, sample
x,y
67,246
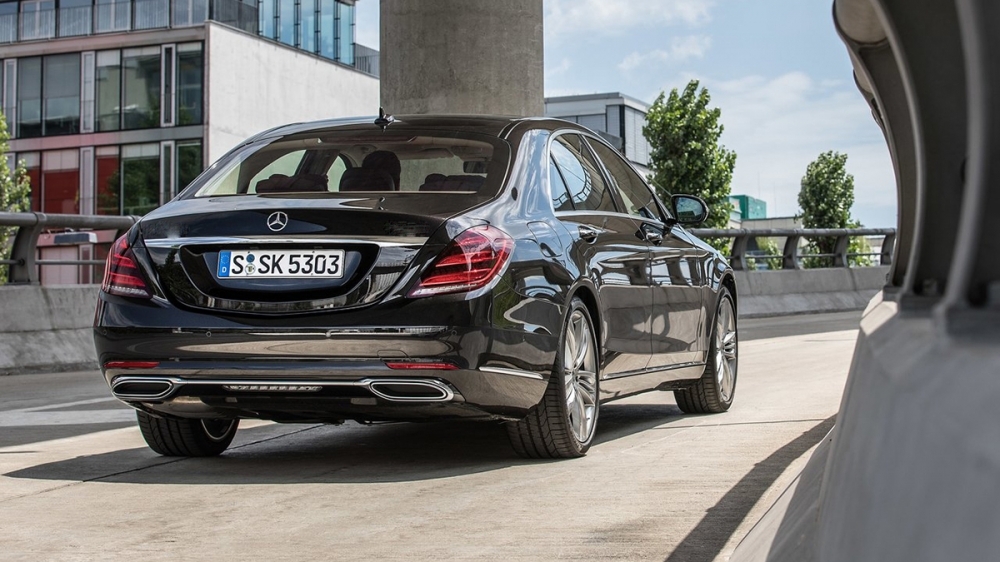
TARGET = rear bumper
x,y
326,391
193,356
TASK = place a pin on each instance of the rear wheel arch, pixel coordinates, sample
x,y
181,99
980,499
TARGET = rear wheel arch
x,y
589,297
729,282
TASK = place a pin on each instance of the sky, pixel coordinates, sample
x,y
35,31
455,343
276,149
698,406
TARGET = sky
x,y
775,68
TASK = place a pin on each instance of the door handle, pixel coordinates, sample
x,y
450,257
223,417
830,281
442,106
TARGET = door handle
x,y
653,236
588,233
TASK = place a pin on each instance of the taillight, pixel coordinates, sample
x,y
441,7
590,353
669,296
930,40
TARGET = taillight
x,y
471,261
121,273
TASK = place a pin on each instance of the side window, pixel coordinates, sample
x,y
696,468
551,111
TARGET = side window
x,y
581,175
639,200
557,188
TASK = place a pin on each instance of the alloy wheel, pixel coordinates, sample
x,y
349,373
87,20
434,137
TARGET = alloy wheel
x,y
725,350
580,376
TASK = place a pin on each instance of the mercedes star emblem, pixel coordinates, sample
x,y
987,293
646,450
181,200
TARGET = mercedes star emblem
x,y
277,221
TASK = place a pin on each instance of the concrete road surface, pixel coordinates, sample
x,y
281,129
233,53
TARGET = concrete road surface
x,y
78,483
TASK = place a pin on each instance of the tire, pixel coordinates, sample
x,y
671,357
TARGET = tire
x,y
716,388
175,437
563,424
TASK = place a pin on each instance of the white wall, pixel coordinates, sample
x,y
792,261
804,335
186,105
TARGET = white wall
x,y
255,84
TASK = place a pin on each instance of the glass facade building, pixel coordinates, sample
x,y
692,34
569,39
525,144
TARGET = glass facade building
x,y
121,130
322,27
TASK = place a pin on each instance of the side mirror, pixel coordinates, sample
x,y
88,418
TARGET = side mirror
x,y
689,210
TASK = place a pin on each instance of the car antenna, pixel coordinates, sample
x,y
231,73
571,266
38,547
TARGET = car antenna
x,y
384,120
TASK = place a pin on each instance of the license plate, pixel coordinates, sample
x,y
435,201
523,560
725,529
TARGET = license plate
x,y
281,264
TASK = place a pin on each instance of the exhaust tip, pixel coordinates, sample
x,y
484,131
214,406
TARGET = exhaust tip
x,y
144,389
411,390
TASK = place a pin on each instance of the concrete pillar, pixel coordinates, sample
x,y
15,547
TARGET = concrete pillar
x,y
462,56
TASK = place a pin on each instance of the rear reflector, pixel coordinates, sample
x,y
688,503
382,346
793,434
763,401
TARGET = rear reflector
x,y
121,273
131,364
419,366
471,261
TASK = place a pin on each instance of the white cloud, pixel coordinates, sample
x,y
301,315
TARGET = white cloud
x,y
681,49
613,17
778,125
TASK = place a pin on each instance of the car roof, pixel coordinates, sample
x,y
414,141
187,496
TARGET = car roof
x,y
492,125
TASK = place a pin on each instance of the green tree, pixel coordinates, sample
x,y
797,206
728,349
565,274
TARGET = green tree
x,y
685,154
825,198
15,195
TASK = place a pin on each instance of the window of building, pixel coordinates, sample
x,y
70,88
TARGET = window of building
x,y
61,181
268,16
8,22
74,17
62,94
189,162
150,14
10,93
112,15
583,179
33,165
190,79
108,184
108,90
141,87
594,122
345,33
307,30
286,22
29,97
140,171
167,59
189,12
328,28
38,19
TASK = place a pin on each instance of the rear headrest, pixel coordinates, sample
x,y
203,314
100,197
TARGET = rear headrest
x,y
280,183
440,182
366,179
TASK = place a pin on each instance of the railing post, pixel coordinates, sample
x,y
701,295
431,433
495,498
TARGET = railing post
x,y
739,252
840,251
790,258
888,245
23,252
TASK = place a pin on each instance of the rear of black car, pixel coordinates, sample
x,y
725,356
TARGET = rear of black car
x,y
325,274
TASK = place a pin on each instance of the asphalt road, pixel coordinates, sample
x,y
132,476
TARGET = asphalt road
x,y
78,483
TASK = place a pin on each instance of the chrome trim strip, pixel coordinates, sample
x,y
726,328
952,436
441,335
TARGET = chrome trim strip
x,y
512,372
649,370
174,383
385,241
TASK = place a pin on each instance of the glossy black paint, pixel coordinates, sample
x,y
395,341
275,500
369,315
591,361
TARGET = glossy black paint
x,y
651,287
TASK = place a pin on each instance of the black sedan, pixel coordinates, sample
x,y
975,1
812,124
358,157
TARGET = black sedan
x,y
419,269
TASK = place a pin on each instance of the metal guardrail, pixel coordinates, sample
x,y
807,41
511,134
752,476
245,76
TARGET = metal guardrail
x,y
791,257
23,261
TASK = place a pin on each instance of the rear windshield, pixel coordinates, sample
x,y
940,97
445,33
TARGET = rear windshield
x,y
349,161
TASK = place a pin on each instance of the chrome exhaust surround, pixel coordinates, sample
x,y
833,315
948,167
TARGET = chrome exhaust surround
x,y
405,390
142,388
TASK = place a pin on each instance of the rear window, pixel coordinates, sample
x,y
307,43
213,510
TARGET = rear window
x,y
348,161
